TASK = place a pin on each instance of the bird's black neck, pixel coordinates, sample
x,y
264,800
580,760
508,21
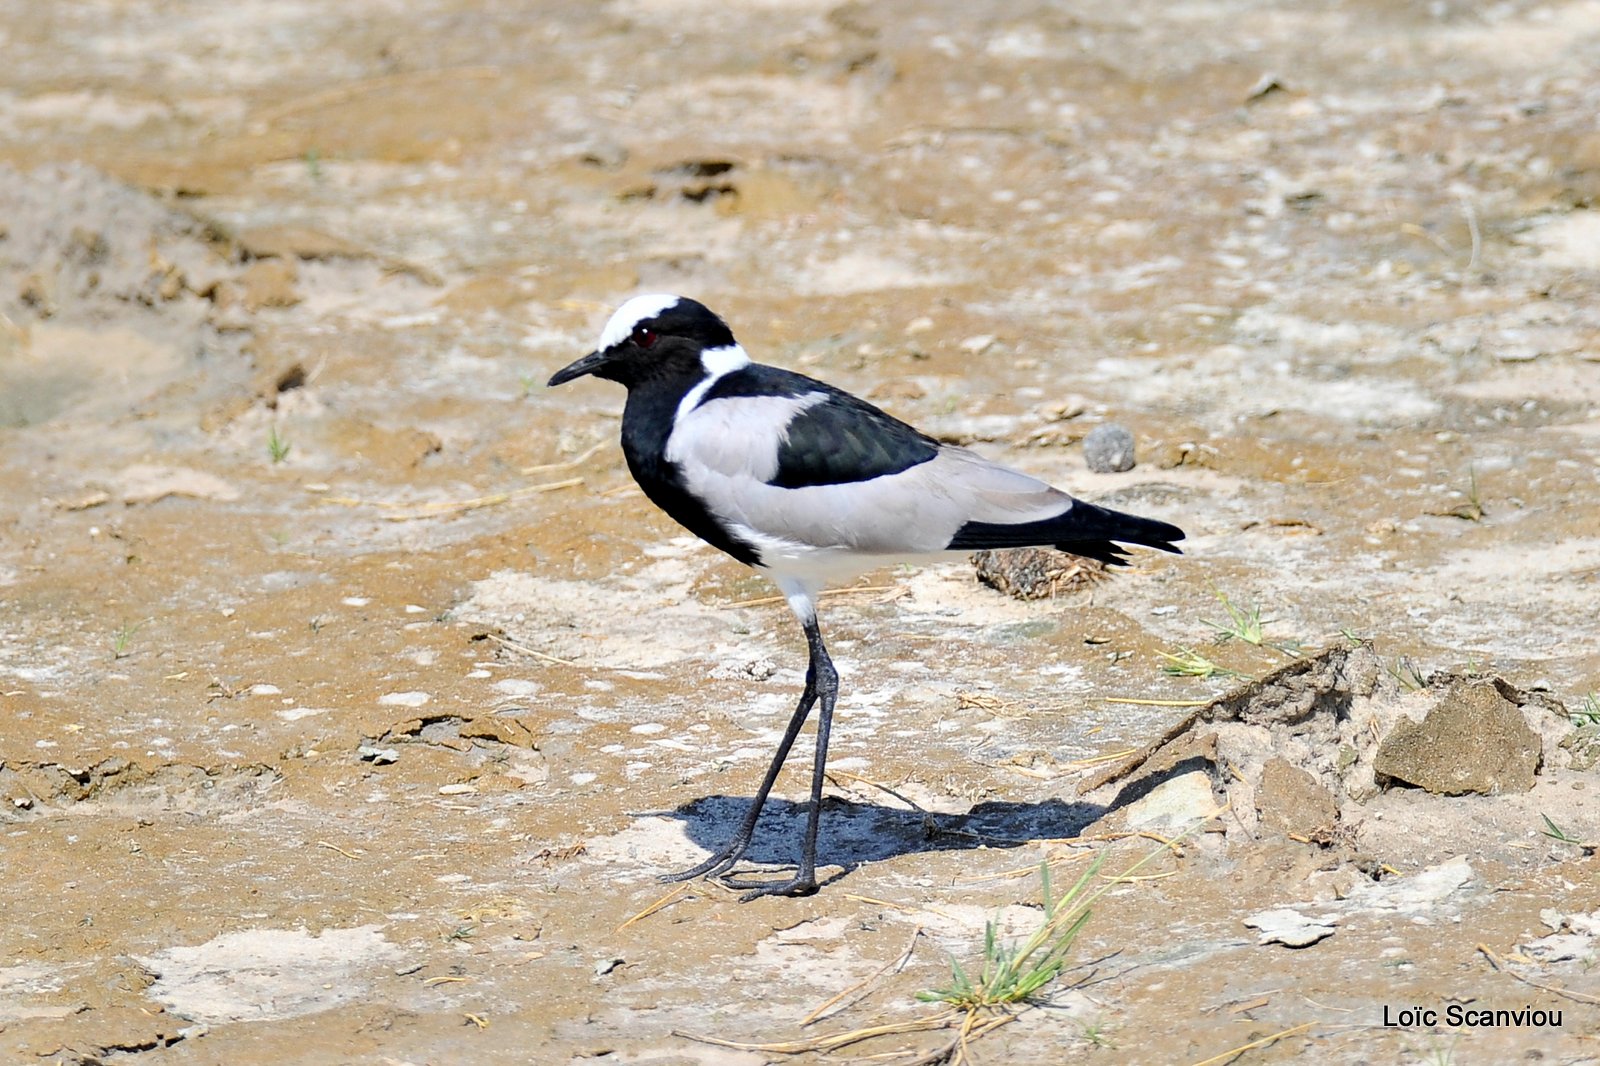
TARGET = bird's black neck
x,y
647,421
647,417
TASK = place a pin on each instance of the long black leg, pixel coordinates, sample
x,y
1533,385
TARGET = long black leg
x,y
724,859
822,683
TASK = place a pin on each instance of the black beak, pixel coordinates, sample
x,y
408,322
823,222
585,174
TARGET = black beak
x,y
587,365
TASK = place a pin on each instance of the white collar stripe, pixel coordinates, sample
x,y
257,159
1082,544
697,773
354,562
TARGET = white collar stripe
x,y
723,360
719,363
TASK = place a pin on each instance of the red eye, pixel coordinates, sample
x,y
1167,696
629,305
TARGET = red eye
x,y
644,338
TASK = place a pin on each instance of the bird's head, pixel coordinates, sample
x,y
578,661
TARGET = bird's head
x,y
653,335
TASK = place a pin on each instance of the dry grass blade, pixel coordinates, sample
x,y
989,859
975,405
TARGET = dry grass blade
x,y
1004,708
1155,703
1499,964
955,1052
836,775
853,994
507,642
879,594
1250,1005
447,507
577,460
1128,879
1271,1038
453,507
1173,844
665,901
898,906
335,847
833,1042
1022,871
388,83
1096,760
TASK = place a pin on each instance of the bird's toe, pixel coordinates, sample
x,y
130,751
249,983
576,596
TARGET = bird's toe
x,y
799,885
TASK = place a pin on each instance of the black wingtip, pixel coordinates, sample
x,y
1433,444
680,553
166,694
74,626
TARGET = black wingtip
x,y
1109,552
1083,529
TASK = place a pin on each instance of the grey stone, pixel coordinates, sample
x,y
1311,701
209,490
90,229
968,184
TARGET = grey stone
x,y
1290,927
1473,740
1174,804
1108,449
1425,892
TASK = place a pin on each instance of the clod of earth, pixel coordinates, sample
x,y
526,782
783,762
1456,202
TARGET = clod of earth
x,y
1583,746
1292,800
36,787
1308,751
1475,739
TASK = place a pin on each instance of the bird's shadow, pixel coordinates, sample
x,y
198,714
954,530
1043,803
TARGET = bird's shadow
x,y
852,832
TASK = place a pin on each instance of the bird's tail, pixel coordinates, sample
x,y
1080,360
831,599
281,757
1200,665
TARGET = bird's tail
x,y
1082,529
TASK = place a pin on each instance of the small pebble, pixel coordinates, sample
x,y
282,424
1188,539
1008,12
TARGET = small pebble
x,y
1108,449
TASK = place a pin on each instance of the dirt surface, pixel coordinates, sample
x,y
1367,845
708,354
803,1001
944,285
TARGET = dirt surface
x,y
351,695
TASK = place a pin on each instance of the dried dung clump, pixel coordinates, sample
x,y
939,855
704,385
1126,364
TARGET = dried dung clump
x,y
1037,573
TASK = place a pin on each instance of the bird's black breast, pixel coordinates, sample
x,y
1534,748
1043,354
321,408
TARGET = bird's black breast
x,y
835,440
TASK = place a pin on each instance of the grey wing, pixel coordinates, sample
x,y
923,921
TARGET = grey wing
x,y
916,511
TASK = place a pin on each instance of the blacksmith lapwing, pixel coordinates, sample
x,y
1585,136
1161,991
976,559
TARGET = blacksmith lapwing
x,y
809,485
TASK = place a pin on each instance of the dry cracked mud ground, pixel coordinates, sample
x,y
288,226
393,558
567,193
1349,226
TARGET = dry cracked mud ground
x,y
351,695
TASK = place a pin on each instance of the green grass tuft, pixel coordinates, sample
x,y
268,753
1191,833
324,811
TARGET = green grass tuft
x,y
1555,832
1247,625
277,447
1589,713
1014,973
1190,663
1403,670
122,639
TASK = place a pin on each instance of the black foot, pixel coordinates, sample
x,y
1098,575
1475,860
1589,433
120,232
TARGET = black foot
x,y
720,863
799,885
717,866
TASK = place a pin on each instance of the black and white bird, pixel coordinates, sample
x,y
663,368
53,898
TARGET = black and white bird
x,y
810,485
